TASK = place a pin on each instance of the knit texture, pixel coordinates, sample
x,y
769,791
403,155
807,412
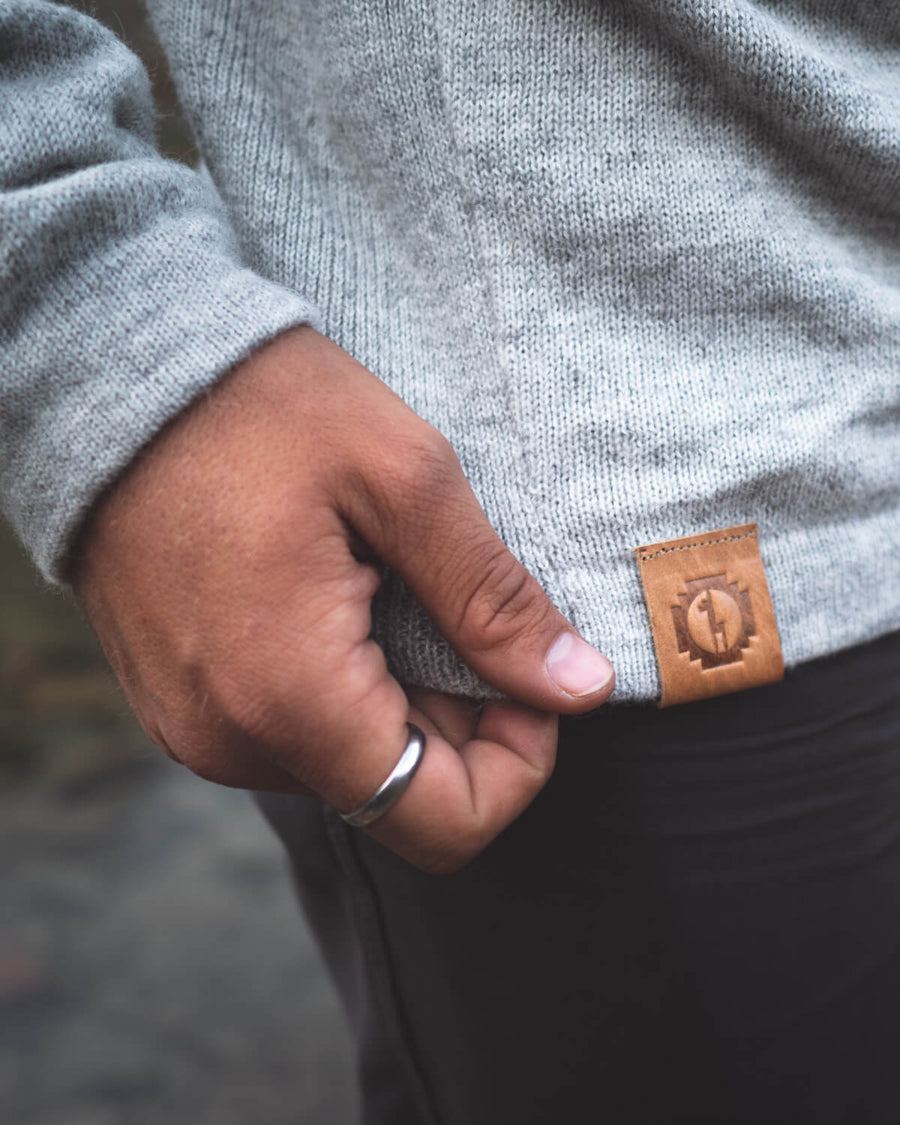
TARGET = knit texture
x,y
637,260
122,292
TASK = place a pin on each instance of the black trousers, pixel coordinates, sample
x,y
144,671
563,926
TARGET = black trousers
x,y
697,921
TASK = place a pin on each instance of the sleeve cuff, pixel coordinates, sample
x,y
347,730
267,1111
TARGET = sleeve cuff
x,y
110,377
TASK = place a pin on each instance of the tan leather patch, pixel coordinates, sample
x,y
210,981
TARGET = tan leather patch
x,y
711,613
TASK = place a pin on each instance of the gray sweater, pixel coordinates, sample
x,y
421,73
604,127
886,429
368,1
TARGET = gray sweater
x,y
638,260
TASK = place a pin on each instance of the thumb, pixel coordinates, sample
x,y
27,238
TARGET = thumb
x,y
419,514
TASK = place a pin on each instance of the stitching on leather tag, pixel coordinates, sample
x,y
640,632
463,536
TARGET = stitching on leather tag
x,y
711,613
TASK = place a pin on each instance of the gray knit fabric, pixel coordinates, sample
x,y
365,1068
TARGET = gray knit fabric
x,y
638,261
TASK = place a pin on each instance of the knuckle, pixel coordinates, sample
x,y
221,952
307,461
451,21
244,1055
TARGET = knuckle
x,y
455,848
410,482
199,732
447,860
239,691
154,733
420,465
442,866
240,707
203,766
194,750
504,603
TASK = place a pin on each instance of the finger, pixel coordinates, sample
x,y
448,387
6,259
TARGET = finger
x,y
224,760
237,767
455,717
481,766
462,798
414,506
306,690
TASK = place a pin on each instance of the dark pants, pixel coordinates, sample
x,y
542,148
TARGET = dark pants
x,y
697,921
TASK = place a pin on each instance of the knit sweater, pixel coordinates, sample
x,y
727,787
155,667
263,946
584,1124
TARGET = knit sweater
x,y
638,260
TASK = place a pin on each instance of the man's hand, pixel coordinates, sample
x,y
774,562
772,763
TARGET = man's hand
x,y
229,576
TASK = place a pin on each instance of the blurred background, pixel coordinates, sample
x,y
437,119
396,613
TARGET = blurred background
x,y
154,967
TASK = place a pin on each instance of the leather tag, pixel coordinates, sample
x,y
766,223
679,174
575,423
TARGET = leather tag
x,y
711,613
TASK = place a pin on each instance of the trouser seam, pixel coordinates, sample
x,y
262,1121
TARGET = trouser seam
x,y
377,960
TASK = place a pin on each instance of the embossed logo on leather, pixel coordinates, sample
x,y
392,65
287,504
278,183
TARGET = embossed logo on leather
x,y
713,621
711,614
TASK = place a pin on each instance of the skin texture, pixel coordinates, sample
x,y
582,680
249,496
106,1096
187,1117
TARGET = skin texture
x,y
229,575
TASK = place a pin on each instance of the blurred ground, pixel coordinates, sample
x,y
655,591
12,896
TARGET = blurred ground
x,y
154,969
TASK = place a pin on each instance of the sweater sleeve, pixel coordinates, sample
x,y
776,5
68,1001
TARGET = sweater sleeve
x,y
122,293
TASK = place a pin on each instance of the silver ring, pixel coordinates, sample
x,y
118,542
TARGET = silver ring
x,y
394,785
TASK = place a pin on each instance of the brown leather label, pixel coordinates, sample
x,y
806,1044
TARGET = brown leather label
x,y
711,613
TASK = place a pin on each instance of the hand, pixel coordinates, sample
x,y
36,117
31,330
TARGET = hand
x,y
229,576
